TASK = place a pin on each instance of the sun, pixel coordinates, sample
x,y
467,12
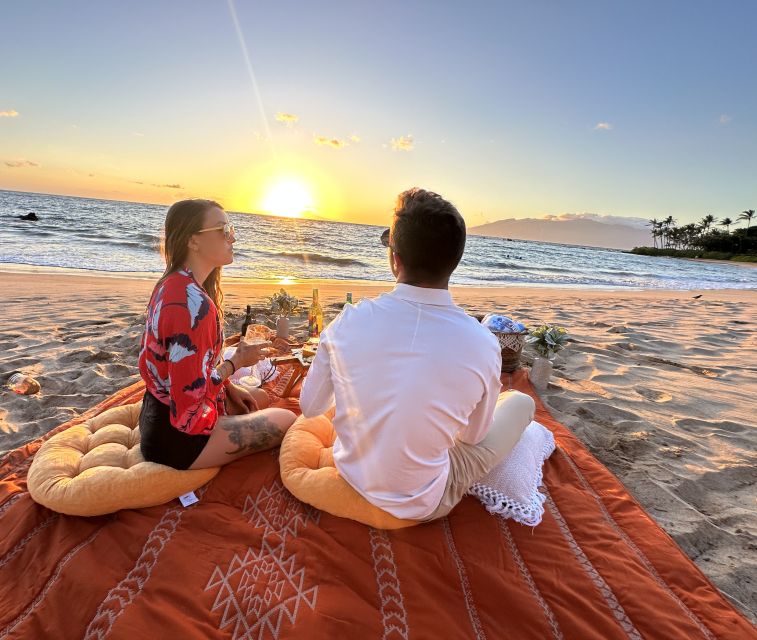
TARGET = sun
x,y
288,197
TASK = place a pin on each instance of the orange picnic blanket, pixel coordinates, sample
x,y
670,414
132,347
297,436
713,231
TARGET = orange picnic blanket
x,y
251,561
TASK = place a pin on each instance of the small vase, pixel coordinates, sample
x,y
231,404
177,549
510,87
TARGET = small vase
x,y
541,371
282,327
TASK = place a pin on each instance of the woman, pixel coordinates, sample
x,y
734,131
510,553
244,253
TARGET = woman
x,y
186,420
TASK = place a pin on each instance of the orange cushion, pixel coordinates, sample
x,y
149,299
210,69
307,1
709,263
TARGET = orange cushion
x,y
308,472
97,467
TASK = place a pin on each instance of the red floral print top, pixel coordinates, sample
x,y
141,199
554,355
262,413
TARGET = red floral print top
x,y
180,349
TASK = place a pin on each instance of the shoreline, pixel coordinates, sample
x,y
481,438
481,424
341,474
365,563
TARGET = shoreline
x,y
741,263
232,281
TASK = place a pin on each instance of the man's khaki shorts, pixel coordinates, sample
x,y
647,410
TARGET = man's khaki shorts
x,y
471,462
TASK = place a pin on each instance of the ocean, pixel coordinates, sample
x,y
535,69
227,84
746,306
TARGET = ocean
x,y
124,237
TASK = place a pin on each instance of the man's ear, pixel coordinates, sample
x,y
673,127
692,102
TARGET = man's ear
x,y
398,266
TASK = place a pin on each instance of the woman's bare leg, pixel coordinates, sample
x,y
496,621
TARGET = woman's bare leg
x,y
261,398
236,436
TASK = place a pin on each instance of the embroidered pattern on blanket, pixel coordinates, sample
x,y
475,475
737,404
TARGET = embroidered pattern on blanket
x,y
124,593
261,590
393,613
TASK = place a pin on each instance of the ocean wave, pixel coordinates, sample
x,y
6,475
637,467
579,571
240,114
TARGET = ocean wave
x,y
493,264
319,258
34,232
74,265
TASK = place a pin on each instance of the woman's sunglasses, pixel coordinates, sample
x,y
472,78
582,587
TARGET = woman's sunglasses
x,y
228,230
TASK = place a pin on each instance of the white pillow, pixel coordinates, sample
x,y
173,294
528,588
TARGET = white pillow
x,y
511,489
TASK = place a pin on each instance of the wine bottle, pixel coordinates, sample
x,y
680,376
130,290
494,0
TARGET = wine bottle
x,y
247,320
315,317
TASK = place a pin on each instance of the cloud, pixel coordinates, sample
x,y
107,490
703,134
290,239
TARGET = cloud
x,y
403,143
724,118
635,222
11,113
334,143
158,186
16,164
603,126
288,119
355,138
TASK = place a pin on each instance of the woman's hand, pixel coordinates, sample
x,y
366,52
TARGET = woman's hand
x,y
240,398
249,354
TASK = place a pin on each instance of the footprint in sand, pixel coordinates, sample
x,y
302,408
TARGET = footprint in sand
x,y
88,323
691,367
653,394
618,329
705,427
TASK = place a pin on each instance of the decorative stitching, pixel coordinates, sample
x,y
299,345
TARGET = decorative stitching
x,y
278,512
48,585
470,605
610,599
259,591
10,501
393,613
125,592
526,574
25,540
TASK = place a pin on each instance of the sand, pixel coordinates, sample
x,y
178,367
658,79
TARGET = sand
x,y
660,386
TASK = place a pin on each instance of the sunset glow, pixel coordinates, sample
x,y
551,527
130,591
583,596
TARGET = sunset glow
x,y
287,197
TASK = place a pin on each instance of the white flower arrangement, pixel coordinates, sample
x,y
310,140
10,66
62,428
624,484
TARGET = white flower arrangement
x,y
284,305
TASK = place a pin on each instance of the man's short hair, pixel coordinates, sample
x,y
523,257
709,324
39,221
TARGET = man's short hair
x,y
428,234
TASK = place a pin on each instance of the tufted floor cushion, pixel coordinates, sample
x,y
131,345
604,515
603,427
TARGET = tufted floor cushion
x,y
96,468
308,472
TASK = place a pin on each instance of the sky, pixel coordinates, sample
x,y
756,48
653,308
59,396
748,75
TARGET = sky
x,y
508,109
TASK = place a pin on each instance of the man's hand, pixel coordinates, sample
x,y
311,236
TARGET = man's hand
x,y
241,398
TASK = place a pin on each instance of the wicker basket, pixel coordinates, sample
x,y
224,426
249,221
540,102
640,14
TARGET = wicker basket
x,y
512,346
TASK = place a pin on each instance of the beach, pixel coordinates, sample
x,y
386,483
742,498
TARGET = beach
x,y
660,386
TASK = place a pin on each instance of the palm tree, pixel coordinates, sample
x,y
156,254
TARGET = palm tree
x,y
691,231
667,224
655,224
707,222
676,235
747,215
726,222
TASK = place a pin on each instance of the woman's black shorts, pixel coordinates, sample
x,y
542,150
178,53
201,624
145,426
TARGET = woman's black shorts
x,y
163,443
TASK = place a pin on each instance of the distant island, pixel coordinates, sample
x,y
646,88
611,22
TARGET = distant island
x,y
584,229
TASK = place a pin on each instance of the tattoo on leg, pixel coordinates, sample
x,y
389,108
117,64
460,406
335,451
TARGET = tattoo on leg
x,y
251,435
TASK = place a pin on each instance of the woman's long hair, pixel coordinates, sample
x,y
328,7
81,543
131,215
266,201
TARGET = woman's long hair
x,y
183,220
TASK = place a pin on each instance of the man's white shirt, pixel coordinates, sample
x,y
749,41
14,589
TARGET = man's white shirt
x,y
410,372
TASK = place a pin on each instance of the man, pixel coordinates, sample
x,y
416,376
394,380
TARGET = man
x,y
416,381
